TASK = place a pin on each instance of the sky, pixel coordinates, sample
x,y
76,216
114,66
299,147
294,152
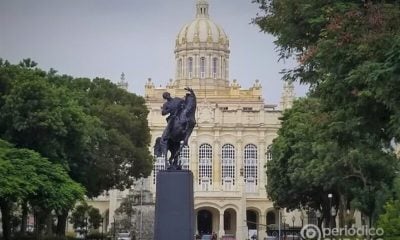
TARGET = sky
x,y
103,38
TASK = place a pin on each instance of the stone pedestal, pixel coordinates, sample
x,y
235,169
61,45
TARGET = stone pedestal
x,y
174,217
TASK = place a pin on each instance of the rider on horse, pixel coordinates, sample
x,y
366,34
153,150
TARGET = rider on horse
x,y
180,124
173,106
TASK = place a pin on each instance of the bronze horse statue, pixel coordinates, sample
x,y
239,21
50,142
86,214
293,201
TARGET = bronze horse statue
x,y
179,128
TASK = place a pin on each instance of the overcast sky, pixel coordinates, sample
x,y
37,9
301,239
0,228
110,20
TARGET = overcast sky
x,y
103,38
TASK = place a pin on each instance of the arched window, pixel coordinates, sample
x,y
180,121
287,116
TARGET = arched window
x,y
159,164
215,67
250,167
184,156
190,67
180,68
228,167
202,67
271,218
205,166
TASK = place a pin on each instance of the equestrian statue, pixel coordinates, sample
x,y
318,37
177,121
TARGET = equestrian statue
x,y
180,124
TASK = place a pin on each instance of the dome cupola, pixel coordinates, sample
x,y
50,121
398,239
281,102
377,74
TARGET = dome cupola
x,y
202,52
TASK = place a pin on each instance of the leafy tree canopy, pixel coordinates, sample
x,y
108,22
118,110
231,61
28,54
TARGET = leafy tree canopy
x,y
308,163
85,216
348,52
98,132
28,177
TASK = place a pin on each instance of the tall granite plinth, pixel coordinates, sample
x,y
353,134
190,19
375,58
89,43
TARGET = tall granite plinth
x,y
174,217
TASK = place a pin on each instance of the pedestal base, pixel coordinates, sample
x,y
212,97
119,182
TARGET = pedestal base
x,y
174,216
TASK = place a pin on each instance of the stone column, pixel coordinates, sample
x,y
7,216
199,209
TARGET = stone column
x,y
241,224
217,163
220,68
184,66
239,163
194,160
208,72
261,163
196,66
221,231
196,229
262,230
226,68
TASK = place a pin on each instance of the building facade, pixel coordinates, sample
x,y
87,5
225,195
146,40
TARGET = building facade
x,y
229,146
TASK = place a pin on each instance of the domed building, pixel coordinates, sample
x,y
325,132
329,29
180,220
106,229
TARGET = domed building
x,y
228,148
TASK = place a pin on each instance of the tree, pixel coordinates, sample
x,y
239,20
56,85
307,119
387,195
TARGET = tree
x,y
14,183
27,176
390,220
84,217
97,131
308,163
348,53
123,154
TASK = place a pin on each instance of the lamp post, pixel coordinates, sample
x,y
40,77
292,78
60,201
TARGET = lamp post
x,y
279,223
115,226
302,219
333,213
102,227
141,210
319,215
86,224
293,219
284,227
130,212
330,196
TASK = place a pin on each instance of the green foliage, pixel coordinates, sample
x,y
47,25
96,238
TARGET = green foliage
x,y
348,53
90,131
28,177
98,132
18,175
309,162
126,206
390,220
85,216
122,152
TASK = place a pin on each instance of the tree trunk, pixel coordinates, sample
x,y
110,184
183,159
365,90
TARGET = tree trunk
x,y
62,222
40,220
24,217
49,224
342,211
6,219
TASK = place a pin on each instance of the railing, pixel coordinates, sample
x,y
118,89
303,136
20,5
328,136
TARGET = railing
x,y
286,234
